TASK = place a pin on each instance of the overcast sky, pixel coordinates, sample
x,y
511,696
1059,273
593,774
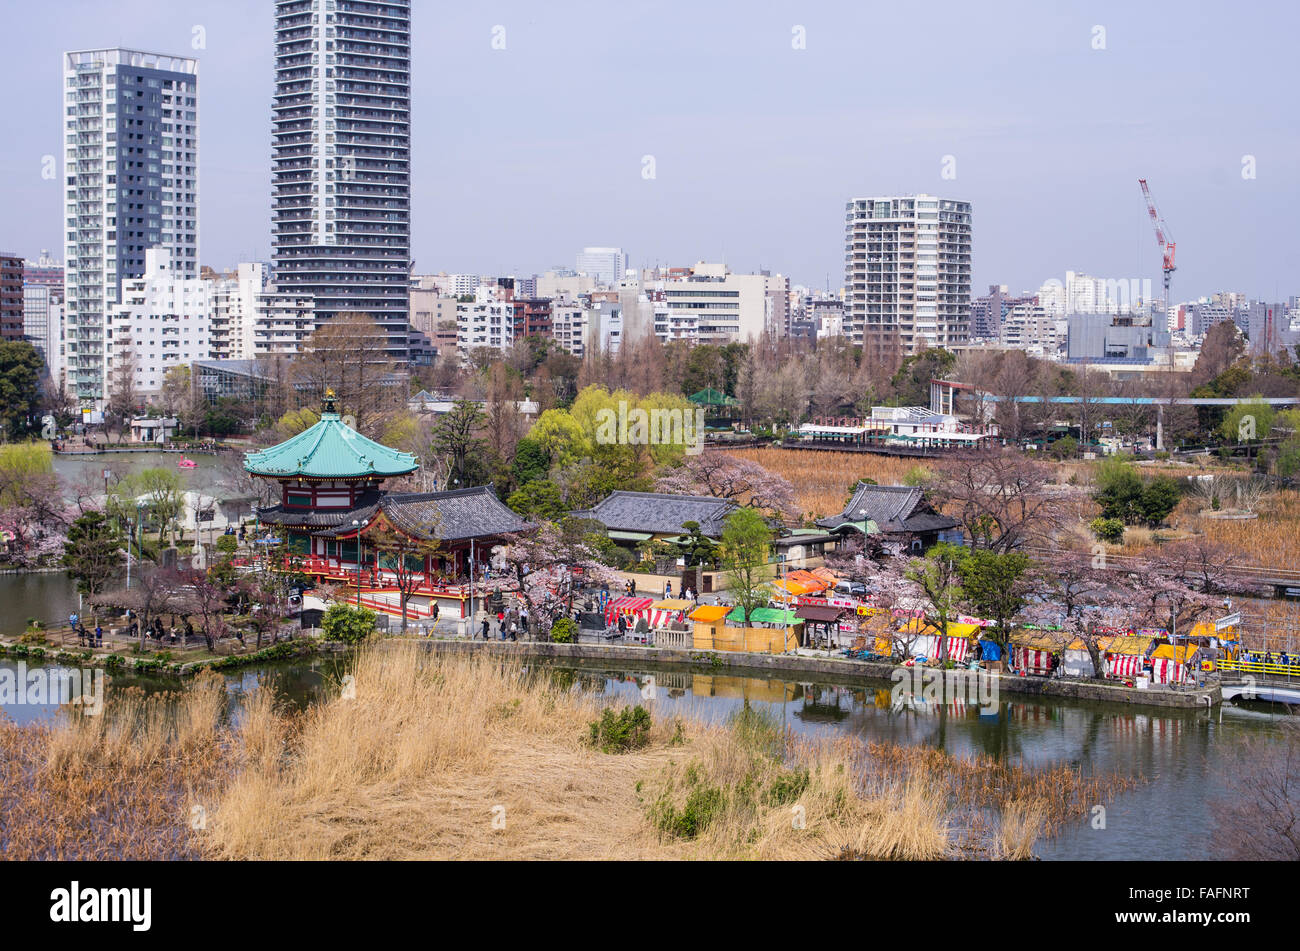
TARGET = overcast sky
x,y
524,155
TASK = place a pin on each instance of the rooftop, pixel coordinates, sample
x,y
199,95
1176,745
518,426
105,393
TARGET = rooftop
x,y
329,450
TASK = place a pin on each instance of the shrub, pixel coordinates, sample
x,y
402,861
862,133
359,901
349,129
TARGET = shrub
x,y
342,622
704,803
620,732
1108,530
565,631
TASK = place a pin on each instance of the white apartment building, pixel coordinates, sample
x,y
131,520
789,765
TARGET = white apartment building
x,y
569,326
234,312
605,265
131,160
712,305
284,320
485,322
1033,327
161,323
908,272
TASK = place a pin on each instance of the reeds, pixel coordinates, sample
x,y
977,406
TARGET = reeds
x,y
418,756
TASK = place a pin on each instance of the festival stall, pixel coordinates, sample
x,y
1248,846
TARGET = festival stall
x,y
629,606
1124,655
928,644
669,611
811,582
1173,665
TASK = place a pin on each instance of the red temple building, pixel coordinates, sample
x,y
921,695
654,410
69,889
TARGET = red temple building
x,y
332,500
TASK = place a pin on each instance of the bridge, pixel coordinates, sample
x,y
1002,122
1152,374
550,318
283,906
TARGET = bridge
x,y
943,395
1260,680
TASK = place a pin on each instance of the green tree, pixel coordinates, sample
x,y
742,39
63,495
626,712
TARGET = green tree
x,y
938,575
912,381
995,587
532,462
539,500
1247,422
1118,490
744,549
1159,497
20,375
93,552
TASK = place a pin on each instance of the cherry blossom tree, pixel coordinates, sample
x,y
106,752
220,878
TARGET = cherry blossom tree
x,y
1003,500
545,569
724,476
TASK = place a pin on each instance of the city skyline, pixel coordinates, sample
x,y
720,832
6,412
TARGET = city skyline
x,y
1048,193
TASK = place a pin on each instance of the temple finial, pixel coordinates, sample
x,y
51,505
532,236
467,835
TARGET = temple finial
x,y
331,402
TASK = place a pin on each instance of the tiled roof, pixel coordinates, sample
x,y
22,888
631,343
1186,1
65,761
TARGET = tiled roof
x,y
450,516
329,449
894,508
662,514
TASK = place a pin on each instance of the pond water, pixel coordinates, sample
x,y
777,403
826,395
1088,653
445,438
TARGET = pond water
x,y
1181,757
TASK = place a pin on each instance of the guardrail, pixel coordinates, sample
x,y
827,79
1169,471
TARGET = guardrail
x,y
1264,668
664,637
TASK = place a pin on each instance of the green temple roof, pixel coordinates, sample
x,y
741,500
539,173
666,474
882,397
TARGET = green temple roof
x,y
329,450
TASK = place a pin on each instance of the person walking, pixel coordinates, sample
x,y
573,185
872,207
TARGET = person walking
x,y
486,625
523,620
668,590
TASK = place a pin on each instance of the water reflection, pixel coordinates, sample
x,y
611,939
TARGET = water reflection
x,y
1180,756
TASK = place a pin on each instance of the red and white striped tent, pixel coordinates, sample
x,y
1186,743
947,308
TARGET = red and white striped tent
x,y
634,606
1032,660
1124,656
1124,666
668,611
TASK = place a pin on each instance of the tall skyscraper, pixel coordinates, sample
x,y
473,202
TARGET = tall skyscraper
x,y
131,161
341,182
604,264
908,270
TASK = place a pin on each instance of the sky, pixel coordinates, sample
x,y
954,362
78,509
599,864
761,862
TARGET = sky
x,y
762,119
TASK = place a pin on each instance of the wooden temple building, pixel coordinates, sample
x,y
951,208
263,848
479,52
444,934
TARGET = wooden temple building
x,y
332,500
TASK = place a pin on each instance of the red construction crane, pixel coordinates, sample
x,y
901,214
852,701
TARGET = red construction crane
x,y
1163,238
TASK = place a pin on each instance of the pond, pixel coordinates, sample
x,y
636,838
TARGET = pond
x,y
1181,756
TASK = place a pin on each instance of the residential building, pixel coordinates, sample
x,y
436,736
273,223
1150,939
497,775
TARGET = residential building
x,y
569,326
341,159
11,297
908,272
434,313
235,312
713,305
283,321
161,323
46,272
131,165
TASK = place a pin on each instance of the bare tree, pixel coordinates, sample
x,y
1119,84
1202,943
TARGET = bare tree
x,y
1262,802
1002,499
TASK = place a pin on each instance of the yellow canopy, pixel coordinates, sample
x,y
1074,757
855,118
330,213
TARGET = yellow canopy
x,y
1167,652
1124,644
708,613
672,604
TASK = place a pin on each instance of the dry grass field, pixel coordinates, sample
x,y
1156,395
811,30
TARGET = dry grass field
x,y
421,757
822,480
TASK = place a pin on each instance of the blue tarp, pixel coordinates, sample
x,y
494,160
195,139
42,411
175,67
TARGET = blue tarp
x,y
991,650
